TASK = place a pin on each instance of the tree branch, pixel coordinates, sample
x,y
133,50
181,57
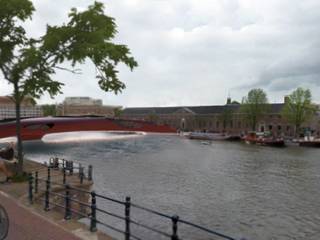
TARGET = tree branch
x,y
75,71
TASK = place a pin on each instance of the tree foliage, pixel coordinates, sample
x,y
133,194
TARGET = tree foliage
x,y
299,108
49,110
226,117
254,106
29,64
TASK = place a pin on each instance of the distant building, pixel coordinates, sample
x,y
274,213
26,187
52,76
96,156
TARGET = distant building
x,y
82,101
216,119
28,109
80,106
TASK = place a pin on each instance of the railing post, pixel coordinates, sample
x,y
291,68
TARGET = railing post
x,y
90,173
64,175
127,216
81,174
30,188
175,220
47,193
93,222
56,163
49,174
67,215
71,167
36,182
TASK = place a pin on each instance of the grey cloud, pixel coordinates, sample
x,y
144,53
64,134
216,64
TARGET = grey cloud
x,y
195,52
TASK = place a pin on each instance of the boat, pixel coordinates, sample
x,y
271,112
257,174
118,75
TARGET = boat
x,y
36,128
212,136
263,139
309,142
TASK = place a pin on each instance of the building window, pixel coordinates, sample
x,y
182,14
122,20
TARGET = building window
x,y
288,128
279,127
270,127
217,124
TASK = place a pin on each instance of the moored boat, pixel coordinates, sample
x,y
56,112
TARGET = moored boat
x,y
315,144
263,139
212,136
309,141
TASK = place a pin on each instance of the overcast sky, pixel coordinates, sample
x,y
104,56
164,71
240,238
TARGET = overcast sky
x,y
196,52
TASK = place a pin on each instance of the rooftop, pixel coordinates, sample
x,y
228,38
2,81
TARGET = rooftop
x,y
213,109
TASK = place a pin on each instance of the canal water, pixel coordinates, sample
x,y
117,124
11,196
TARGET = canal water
x,y
243,191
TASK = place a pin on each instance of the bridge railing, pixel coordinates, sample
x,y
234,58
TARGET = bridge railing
x,y
92,209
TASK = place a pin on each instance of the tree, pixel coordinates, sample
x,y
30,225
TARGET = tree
x,y
28,64
117,111
254,106
299,108
49,110
226,117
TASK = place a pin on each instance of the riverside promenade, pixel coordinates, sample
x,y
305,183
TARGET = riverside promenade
x,y
30,221
28,225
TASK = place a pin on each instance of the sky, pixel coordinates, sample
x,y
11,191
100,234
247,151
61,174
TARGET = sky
x,y
198,52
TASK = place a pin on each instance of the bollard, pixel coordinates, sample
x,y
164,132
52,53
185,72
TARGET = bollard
x,y
67,214
64,175
93,222
49,174
127,216
47,192
36,182
175,220
90,173
30,188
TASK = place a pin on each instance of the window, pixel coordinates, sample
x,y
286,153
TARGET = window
x,y
270,127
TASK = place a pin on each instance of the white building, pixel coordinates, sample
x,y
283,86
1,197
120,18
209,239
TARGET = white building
x,y
8,110
82,101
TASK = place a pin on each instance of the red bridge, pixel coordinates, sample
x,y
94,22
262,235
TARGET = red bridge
x,y
36,128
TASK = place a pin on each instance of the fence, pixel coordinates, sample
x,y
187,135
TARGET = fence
x,y
94,209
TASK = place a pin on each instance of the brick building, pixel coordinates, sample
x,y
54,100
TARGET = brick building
x,y
218,118
28,109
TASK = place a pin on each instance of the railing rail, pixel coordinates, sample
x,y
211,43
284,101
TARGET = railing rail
x,y
33,189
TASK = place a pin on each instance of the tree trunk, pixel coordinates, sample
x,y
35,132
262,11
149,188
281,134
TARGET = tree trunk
x,y
18,130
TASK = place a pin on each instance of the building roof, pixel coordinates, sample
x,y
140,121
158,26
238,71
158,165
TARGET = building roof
x,y
6,100
214,109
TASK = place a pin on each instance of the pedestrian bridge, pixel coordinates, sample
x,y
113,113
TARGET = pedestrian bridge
x,y
36,128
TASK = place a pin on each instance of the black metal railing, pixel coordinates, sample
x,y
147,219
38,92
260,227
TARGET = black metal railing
x,y
93,209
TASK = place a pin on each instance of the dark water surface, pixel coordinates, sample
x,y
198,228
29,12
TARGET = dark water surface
x,y
240,190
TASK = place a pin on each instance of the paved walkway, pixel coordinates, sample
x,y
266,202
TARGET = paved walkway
x,y
25,225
